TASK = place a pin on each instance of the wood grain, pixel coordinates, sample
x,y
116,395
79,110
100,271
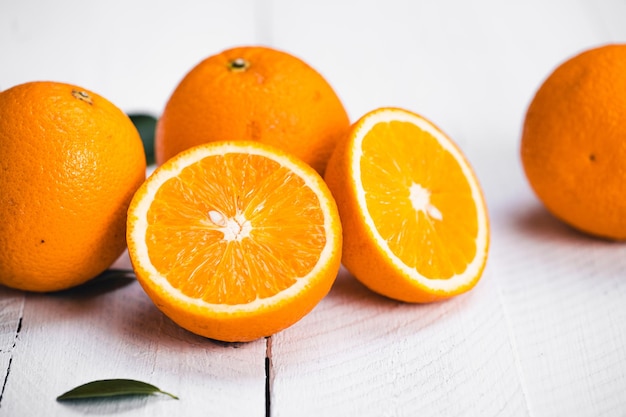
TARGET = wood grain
x,y
11,308
112,330
361,354
565,294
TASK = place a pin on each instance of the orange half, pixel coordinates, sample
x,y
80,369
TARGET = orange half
x,y
234,240
414,217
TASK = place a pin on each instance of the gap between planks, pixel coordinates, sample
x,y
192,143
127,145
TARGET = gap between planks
x,y
268,375
11,349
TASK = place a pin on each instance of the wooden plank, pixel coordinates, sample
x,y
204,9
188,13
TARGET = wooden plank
x,y
548,314
112,330
11,307
566,299
361,354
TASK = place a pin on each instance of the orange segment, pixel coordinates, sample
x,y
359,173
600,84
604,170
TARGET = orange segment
x,y
415,222
235,231
420,183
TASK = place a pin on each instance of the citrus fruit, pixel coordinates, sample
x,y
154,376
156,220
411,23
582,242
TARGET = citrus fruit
x,y
573,144
70,163
253,93
234,241
414,219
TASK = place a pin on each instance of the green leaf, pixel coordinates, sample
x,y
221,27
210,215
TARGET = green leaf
x,y
146,126
111,388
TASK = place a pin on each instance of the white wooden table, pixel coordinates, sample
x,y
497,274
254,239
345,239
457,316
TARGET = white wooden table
x,y
544,332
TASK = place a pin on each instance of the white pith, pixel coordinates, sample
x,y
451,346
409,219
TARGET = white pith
x,y
233,228
420,200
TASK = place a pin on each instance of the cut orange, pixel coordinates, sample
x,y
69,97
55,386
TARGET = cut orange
x,y
414,218
234,241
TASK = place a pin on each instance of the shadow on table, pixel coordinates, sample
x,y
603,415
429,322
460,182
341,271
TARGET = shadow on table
x,y
370,315
112,406
532,219
116,303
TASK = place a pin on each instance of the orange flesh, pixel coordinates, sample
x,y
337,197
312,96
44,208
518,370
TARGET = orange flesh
x,y
419,199
233,228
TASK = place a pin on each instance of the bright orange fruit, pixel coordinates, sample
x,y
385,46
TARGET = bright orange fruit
x,y
253,93
70,162
234,240
414,219
573,142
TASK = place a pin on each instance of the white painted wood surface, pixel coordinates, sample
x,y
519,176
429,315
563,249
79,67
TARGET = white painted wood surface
x,y
543,333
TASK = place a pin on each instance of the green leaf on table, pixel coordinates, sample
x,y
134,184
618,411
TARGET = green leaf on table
x,y
146,126
111,388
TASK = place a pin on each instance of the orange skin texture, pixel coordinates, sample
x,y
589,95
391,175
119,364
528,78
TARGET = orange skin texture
x,y
279,100
573,146
69,169
362,256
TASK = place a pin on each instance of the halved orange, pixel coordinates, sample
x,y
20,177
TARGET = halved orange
x,y
234,241
414,218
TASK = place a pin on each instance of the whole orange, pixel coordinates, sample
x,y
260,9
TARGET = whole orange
x,y
70,162
573,145
253,93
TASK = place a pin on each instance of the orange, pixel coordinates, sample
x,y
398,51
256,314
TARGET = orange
x,y
414,219
573,145
234,241
253,93
70,163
